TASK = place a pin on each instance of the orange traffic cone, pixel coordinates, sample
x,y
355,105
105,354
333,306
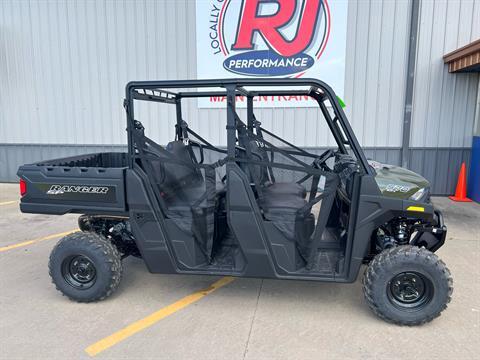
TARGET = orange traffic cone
x,y
461,190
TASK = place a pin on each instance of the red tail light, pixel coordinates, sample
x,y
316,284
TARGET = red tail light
x,y
23,187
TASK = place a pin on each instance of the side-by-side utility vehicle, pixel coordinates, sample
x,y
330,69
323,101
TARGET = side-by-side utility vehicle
x,y
259,207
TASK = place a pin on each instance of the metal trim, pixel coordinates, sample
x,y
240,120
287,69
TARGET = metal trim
x,y
407,112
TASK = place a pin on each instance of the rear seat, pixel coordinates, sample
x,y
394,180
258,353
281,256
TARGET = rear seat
x,y
179,184
182,188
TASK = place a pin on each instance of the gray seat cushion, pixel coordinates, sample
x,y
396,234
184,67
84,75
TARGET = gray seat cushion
x,y
282,188
282,210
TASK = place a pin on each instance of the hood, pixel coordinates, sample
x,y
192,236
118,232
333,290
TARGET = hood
x,y
398,182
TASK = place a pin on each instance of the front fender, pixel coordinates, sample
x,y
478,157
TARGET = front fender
x,y
431,236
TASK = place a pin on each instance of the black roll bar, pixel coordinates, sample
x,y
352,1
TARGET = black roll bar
x,y
319,90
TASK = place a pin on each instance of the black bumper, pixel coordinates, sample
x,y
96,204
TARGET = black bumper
x,y
432,236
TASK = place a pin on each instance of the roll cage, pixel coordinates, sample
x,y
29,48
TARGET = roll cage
x,y
159,91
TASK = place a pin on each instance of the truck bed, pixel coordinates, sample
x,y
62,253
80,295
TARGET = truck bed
x,y
85,184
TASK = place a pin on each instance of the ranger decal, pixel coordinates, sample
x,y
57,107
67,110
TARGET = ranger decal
x,y
84,189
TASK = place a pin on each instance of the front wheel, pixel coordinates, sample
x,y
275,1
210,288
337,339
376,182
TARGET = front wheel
x,y
407,285
85,267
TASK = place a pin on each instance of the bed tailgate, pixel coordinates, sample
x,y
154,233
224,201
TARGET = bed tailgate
x,y
84,190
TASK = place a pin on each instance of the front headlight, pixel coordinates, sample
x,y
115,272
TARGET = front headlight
x,y
421,195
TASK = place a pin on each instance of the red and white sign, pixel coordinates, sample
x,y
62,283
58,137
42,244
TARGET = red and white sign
x,y
271,38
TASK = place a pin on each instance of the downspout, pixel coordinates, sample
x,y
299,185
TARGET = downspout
x,y
407,110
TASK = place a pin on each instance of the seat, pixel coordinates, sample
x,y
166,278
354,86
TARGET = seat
x,y
259,174
179,181
279,201
182,188
284,211
285,189
285,202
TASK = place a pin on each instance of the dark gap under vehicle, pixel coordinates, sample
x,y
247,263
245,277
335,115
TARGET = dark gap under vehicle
x,y
261,207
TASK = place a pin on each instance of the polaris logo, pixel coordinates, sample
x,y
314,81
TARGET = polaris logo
x,y
83,189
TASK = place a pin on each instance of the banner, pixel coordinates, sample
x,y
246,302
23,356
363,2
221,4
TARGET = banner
x,y
271,38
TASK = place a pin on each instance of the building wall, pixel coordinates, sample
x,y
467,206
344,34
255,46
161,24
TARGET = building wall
x,y
444,103
64,64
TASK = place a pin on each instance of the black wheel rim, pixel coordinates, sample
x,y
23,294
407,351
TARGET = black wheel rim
x,y
79,271
410,290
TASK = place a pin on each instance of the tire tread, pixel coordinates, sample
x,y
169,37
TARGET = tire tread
x,y
96,243
397,254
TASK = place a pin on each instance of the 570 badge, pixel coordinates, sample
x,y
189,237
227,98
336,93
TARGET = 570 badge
x,y
269,37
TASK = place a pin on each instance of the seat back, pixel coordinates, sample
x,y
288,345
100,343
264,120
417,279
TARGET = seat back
x,y
174,173
258,174
181,174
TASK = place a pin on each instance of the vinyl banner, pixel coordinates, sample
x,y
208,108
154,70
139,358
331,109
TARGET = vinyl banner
x,y
271,38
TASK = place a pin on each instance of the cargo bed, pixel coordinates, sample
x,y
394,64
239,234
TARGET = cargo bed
x,y
85,184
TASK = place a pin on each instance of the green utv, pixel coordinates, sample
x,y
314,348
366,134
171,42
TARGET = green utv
x,y
261,207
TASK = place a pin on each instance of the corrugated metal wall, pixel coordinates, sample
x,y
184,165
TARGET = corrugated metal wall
x,y
376,64
64,64
444,103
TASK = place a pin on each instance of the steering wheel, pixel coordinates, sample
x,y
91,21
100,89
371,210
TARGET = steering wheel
x,y
319,162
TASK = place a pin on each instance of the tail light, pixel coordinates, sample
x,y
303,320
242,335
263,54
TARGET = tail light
x,y
23,187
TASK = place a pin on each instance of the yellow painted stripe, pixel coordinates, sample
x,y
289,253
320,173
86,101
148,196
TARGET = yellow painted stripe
x,y
8,202
29,242
416,208
150,320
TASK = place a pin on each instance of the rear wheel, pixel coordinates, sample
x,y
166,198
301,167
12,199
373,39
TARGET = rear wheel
x,y
85,267
407,285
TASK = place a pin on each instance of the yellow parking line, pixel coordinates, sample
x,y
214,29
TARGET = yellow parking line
x,y
29,242
8,202
150,320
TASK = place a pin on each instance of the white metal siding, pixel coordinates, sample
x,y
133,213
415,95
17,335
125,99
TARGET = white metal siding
x,y
444,103
64,64
377,48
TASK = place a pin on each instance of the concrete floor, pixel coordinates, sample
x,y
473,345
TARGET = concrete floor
x,y
247,319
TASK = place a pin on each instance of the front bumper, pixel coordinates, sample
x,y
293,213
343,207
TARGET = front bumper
x,y
431,236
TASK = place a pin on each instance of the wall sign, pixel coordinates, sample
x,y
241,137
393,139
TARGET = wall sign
x,y
271,38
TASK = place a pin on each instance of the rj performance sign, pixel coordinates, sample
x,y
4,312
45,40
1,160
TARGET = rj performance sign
x,y
271,38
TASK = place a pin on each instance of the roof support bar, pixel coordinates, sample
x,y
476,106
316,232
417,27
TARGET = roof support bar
x,y
178,127
250,115
231,128
242,91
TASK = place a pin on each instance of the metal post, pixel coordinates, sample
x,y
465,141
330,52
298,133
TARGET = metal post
x,y
128,105
407,111
178,130
250,116
231,128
